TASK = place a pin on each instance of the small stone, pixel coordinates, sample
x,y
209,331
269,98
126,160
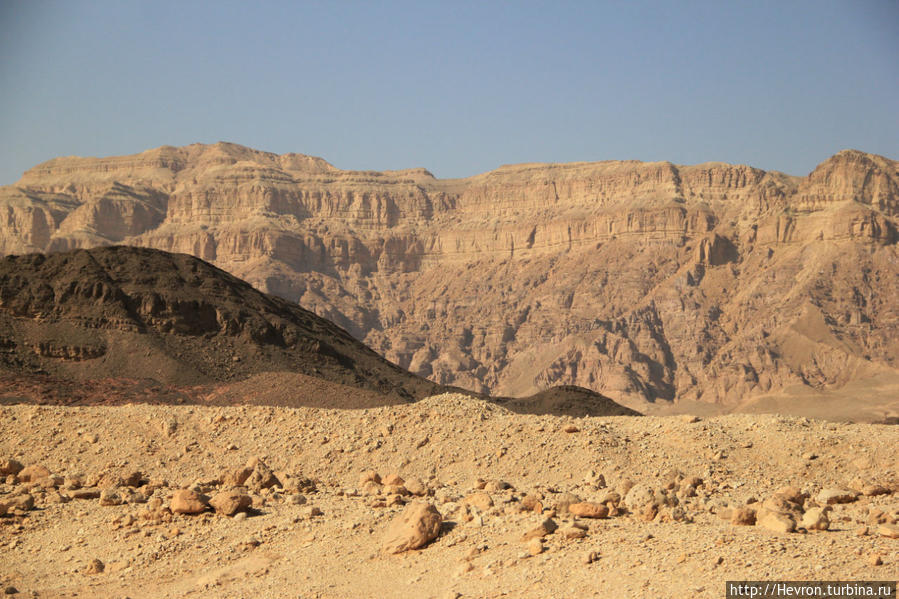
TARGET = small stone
x,y
370,487
33,473
110,497
873,490
547,527
95,567
776,521
742,516
588,509
298,499
415,487
535,546
590,557
109,480
693,481
571,429
791,494
8,467
597,480
609,497
647,513
572,532
261,476
393,480
137,497
240,516
531,503
497,486
875,560
395,490
56,497
641,495
86,493
834,496
168,427
815,519
309,512
861,531
10,590
414,527
185,501
876,516
689,418
22,503
890,531
777,503
135,479
479,499
238,477
563,501
477,483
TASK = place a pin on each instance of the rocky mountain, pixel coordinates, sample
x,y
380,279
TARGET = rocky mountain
x,y
647,282
145,314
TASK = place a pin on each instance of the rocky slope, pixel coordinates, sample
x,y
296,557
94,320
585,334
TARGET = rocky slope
x,y
647,282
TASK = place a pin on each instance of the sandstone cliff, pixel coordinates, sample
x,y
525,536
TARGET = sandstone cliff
x,y
647,282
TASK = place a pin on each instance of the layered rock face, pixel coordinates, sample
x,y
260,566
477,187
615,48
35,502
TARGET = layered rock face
x,y
647,282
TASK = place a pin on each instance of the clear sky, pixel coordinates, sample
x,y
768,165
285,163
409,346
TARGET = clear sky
x,y
457,87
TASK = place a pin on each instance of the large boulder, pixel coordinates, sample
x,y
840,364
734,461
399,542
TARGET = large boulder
x,y
229,503
588,509
414,527
185,501
10,466
776,521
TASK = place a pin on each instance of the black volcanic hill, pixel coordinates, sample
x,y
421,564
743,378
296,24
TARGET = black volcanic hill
x,y
567,400
147,314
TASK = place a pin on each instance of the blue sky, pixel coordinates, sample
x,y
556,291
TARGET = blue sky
x,y
456,87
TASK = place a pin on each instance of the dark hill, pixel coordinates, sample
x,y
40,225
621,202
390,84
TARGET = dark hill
x,y
567,400
147,314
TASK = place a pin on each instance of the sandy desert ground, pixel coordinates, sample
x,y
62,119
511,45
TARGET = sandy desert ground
x,y
675,494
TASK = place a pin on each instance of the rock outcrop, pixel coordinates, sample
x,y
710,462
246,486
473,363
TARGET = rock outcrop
x,y
646,282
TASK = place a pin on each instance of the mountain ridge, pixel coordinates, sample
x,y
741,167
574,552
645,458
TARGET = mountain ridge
x,y
647,282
